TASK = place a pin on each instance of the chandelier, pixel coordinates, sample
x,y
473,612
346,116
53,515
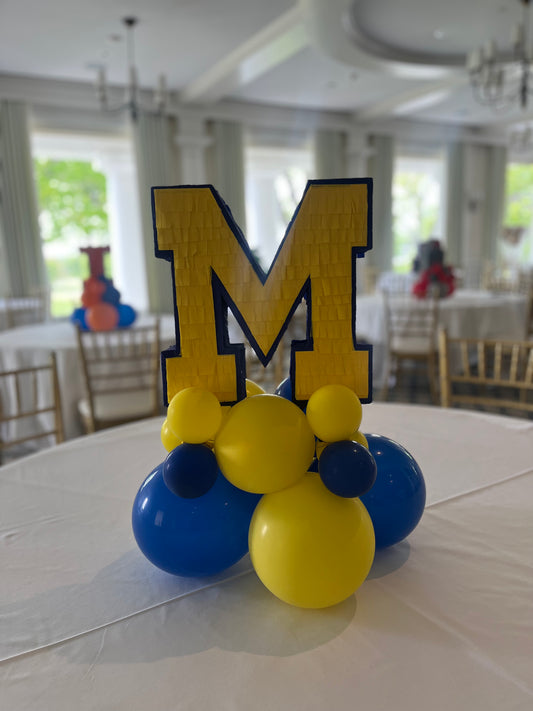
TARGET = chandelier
x,y
131,101
502,79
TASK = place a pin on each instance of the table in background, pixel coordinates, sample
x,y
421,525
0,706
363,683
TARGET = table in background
x,y
444,620
31,345
466,313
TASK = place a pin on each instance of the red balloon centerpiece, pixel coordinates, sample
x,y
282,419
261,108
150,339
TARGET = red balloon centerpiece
x,y
101,308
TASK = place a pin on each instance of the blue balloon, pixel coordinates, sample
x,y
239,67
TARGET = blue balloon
x,y
190,470
126,315
347,468
111,295
192,537
284,389
396,501
78,316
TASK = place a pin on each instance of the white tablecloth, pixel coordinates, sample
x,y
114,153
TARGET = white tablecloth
x,y
443,622
31,345
466,313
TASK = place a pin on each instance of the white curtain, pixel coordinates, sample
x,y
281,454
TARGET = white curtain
x,y
20,229
157,165
226,167
455,191
381,168
330,154
495,198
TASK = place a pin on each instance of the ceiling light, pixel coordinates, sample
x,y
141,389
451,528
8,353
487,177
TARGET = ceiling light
x,y
498,79
131,102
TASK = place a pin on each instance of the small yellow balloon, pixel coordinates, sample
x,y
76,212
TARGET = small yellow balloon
x,y
253,388
334,412
358,436
265,444
309,547
194,415
168,438
320,447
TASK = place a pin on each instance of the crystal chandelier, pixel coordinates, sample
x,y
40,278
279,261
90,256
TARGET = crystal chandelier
x,y
502,79
131,101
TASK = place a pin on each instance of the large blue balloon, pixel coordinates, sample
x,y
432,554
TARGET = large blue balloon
x,y
192,537
397,499
126,315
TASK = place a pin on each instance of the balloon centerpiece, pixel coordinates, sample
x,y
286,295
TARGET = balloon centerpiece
x,y
101,309
296,484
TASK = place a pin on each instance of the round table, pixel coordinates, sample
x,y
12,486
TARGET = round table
x,y
444,620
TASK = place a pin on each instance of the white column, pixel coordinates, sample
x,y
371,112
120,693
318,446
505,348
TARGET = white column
x,y
192,141
357,153
127,253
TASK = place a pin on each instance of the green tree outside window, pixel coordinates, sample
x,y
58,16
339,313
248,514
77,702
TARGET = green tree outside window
x,y
72,201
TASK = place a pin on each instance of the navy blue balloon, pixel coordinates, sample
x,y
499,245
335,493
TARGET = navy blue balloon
x,y
78,317
111,295
126,315
190,470
396,501
284,389
347,468
192,537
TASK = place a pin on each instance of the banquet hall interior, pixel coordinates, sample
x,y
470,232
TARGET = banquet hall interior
x,y
257,99
410,125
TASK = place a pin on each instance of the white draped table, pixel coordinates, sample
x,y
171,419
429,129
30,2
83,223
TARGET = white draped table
x,y
444,621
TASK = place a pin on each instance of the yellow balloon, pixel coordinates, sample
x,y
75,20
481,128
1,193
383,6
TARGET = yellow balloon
x,y
194,415
253,388
265,444
168,438
309,547
320,447
358,436
334,412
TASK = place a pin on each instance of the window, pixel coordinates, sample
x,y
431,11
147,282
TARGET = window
x,y
72,198
276,177
418,205
516,248
87,196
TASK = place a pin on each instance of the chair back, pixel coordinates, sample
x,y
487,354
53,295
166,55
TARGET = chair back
x,y
121,373
30,406
411,324
529,315
493,375
25,310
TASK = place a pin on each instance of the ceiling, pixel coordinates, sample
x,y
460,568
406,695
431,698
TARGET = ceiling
x,y
375,59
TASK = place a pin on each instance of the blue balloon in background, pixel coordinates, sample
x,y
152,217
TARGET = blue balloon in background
x,y
192,537
78,316
111,295
190,470
126,315
396,501
347,469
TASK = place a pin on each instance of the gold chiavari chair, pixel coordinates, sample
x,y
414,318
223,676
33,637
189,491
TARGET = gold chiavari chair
x,y
26,310
493,375
30,407
121,373
411,326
